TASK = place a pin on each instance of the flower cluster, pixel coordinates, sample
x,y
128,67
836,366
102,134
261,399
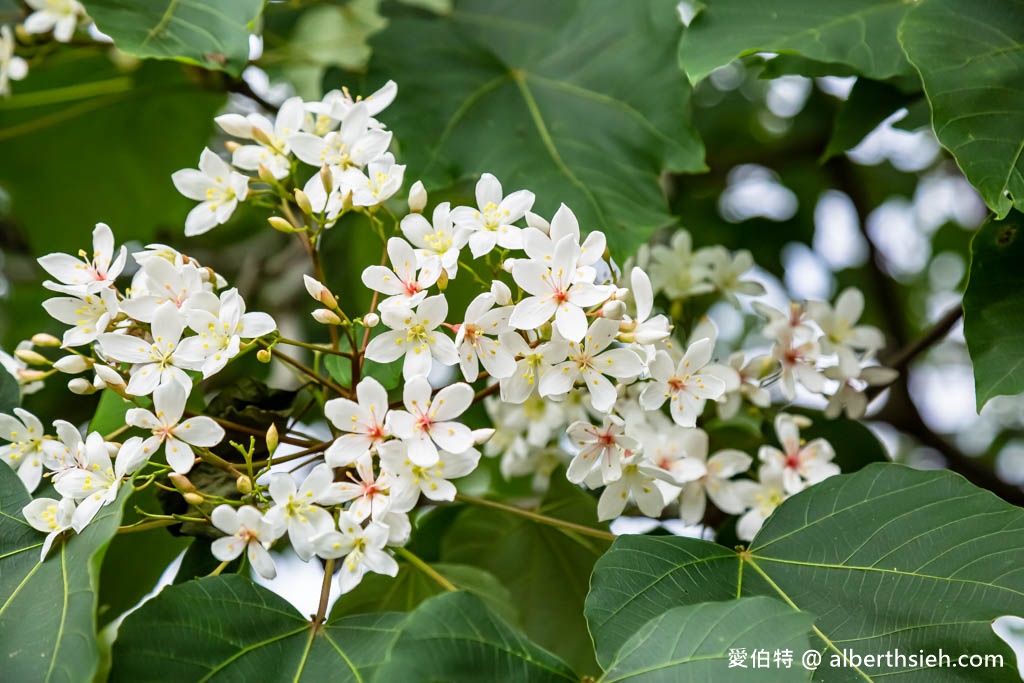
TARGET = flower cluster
x,y
567,351
57,17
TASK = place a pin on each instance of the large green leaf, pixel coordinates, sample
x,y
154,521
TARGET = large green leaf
x,y
545,568
994,308
210,34
454,638
885,558
10,393
870,103
855,33
692,643
402,593
128,130
226,628
557,97
48,609
970,54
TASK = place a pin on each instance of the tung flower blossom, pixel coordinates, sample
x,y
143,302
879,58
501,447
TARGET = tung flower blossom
x,y
216,186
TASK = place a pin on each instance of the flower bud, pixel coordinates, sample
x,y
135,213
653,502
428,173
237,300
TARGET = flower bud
x,y
318,291
181,482
264,355
442,280
281,225
73,364
192,498
26,376
231,145
45,340
502,294
260,135
31,357
109,375
621,294
327,317
508,264
371,320
614,310
244,485
303,202
326,179
417,197
81,386
265,175
272,438
482,435
346,201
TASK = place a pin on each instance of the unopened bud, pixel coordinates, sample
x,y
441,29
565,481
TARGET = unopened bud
x,y
260,135
346,201
303,201
281,225
482,435
442,280
45,340
31,357
508,264
264,355
244,485
326,179
192,498
371,320
327,317
319,291
181,482
81,386
73,364
26,376
231,145
502,294
109,375
265,175
417,197
614,310
272,439
621,294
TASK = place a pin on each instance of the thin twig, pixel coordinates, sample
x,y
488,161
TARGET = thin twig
x,y
426,569
537,517
325,594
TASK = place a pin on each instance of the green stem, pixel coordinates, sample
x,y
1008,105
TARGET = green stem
x,y
537,517
426,569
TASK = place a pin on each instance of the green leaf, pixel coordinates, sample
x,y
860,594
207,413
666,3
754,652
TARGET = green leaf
x,y
545,568
380,593
994,308
213,35
109,117
888,557
556,97
232,629
870,103
857,33
340,370
111,411
692,643
454,638
198,561
48,609
10,393
969,54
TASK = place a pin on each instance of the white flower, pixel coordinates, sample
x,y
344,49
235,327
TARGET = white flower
x,y
801,464
540,244
365,423
325,115
490,224
217,187
675,271
703,477
794,322
88,314
590,362
220,325
840,324
761,498
478,340
749,386
363,550
408,480
383,178
850,397
247,530
645,328
355,144
90,274
60,16
639,481
298,508
556,292
533,366
369,493
168,430
25,451
797,358
414,335
407,281
726,270
95,481
685,385
326,206
154,362
428,425
51,517
436,238
159,281
12,67
271,149
602,447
